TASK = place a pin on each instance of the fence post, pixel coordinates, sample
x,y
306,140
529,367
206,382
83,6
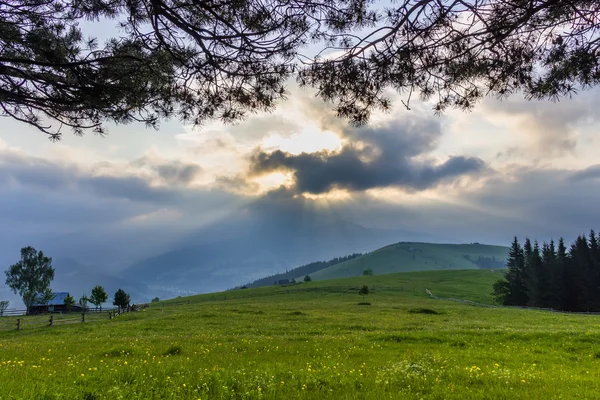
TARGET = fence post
x,y
83,317
110,315
52,320
18,324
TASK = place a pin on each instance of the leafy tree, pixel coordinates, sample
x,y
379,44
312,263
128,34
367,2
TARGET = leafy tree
x,y
364,291
368,272
31,277
121,299
3,306
98,296
307,278
83,300
69,302
155,300
200,60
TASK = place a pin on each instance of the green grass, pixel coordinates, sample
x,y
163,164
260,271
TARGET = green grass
x,y
407,257
314,342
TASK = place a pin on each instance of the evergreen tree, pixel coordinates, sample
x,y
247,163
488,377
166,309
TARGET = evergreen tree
x,y
560,278
203,60
512,290
593,278
576,274
121,299
69,302
554,291
536,281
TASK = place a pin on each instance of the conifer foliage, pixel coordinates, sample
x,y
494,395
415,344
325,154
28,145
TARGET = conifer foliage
x,y
551,276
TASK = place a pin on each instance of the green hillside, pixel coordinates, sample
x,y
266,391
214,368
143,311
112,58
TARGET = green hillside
x,y
409,256
310,341
474,285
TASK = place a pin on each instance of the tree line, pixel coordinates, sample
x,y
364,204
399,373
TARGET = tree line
x,y
552,276
31,276
305,270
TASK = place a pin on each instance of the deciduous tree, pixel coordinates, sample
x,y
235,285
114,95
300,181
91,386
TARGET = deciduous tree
x,y
83,300
31,277
3,306
98,296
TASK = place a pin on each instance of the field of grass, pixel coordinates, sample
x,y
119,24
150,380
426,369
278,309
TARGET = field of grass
x,y
314,342
407,257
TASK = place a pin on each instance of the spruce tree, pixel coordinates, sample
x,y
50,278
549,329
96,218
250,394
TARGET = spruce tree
x,y
511,290
561,271
554,269
536,281
576,275
593,279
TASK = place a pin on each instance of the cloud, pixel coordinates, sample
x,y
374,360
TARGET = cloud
x,y
169,172
392,154
104,192
551,126
591,172
236,184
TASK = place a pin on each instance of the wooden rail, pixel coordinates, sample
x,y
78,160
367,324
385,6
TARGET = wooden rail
x,y
9,322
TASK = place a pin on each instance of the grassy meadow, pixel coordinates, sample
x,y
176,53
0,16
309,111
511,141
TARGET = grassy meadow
x,y
314,342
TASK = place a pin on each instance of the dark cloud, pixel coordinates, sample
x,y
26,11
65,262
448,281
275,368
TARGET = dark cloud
x,y
592,172
391,155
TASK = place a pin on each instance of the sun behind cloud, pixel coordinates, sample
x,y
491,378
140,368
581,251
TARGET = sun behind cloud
x,y
309,140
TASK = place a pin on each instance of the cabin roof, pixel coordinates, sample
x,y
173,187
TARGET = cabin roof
x,y
57,300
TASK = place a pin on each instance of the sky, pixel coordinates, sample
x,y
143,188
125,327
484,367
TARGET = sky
x,y
511,167
508,168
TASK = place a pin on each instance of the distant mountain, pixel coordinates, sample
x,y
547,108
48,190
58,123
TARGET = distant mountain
x,y
243,251
77,279
416,256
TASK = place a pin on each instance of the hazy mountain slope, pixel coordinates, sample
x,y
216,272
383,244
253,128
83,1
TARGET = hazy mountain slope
x,y
212,265
411,256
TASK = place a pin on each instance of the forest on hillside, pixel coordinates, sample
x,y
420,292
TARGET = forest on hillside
x,y
301,271
552,276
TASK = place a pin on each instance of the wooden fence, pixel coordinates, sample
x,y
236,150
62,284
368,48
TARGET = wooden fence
x,y
18,320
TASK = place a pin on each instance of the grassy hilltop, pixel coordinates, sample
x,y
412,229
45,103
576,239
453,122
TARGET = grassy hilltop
x,y
313,342
407,257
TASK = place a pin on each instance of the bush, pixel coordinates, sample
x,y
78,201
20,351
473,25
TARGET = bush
x,y
364,291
